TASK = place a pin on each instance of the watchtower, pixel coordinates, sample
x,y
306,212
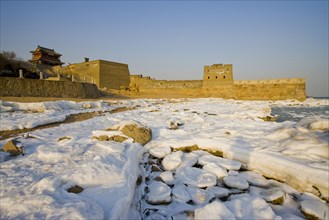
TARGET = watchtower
x,y
43,55
218,73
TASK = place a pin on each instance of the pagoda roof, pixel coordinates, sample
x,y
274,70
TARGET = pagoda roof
x,y
46,50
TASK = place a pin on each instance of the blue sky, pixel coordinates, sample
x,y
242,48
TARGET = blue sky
x,y
175,39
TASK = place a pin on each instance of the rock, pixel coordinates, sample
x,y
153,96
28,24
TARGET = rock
x,y
214,210
167,177
140,133
75,189
226,163
180,193
196,177
65,138
187,149
316,210
160,152
274,196
200,196
159,193
219,192
237,182
269,118
12,148
116,136
173,126
172,161
219,171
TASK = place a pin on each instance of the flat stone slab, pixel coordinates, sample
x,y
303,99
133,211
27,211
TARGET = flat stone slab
x,y
200,196
196,177
226,163
255,178
219,192
274,196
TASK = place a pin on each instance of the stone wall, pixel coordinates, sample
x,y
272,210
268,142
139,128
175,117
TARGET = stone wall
x,y
43,88
105,74
149,83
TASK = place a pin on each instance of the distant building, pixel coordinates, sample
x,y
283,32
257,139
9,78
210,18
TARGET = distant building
x,y
43,55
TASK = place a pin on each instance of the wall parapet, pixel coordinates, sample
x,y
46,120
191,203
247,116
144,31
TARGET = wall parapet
x,y
270,81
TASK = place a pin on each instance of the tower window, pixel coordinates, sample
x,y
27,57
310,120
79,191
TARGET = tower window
x,y
208,77
224,77
216,77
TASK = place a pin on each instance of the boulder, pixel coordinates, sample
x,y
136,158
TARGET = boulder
x,y
12,148
173,126
140,133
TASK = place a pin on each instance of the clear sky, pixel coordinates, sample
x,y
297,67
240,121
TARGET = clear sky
x,y
175,39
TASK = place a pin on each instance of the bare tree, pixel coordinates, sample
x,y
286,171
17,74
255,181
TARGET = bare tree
x,y
9,55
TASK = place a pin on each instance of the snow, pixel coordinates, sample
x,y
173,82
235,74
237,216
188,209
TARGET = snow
x,y
159,193
214,210
196,177
173,160
160,152
237,182
296,153
214,168
221,162
317,209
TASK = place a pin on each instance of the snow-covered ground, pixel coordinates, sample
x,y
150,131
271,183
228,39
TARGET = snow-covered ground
x,y
35,185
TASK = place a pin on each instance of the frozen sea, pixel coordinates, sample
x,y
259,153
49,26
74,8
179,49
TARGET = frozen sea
x,y
125,180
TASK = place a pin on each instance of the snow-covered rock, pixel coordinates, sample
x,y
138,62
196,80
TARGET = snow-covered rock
x,y
137,131
167,177
236,182
228,164
254,178
219,192
172,161
313,209
216,169
196,177
273,195
180,193
248,207
200,196
214,210
160,152
159,193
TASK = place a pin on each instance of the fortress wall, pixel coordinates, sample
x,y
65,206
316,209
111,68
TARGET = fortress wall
x,y
113,75
274,89
43,88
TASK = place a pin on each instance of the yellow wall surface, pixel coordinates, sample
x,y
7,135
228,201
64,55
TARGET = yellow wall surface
x,y
105,74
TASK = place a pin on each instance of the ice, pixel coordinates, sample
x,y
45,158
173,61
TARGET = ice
x,y
160,152
214,168
196,177
248,207
228,164
214,210
316,209
236,182
200,196
172,161
254,178
180,193
219,192
272,194
159,193
167,177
